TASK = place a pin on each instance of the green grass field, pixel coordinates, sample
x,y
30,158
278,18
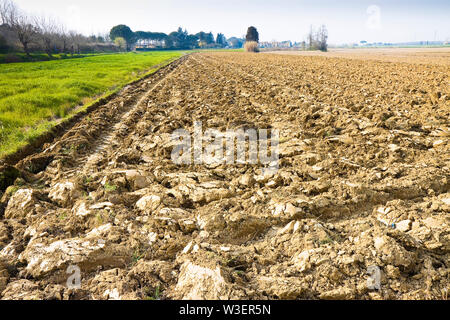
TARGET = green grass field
x,y
35,57
34,95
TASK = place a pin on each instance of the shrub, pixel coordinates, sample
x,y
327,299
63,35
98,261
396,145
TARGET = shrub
x,y
252,34
121,43
3,45
251,46
12,58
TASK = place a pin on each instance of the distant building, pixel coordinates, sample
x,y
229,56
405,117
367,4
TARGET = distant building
x,y
276,44
143,44
365,44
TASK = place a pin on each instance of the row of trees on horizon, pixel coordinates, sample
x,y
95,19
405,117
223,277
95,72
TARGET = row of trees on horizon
x,y
124,37
20,31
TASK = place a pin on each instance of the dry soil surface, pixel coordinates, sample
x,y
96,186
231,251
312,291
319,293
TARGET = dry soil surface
x,y
436,56
363,184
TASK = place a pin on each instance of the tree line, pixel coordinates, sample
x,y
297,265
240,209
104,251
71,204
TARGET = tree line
x,y
124,37
21,31
318,38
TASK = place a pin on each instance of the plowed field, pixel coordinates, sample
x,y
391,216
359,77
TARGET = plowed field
x,y
361,194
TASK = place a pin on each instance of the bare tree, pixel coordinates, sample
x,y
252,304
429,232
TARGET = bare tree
x,y
311,38
3,11
63,38
48,33
20,23
318,40
26,32
76,40
6,7
106,37
71,36
44,34
322,38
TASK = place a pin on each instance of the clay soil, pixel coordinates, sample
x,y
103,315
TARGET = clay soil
x,y
434,56
363,185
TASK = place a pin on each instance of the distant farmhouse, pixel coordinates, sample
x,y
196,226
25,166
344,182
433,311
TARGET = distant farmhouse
x,y
143,44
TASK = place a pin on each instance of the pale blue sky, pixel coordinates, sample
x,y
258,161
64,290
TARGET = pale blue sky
x,y
347,21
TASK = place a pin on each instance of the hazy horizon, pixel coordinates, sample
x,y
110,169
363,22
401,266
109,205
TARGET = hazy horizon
x,y
347,22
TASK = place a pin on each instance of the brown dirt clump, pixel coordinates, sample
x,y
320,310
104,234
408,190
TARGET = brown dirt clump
x,y
363,182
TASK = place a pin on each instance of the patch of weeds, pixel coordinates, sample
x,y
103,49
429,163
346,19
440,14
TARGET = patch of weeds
x,y
81,147
12,190
110,187
62,216
87,180
100,218
112,215
20,182
156,295
211,256
65,151
73,149
326,241
137,255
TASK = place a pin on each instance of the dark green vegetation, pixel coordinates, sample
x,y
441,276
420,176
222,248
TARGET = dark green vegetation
x,y
35,95
24,37
34,57
252,35
7,177
22,32
124,32
180,39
